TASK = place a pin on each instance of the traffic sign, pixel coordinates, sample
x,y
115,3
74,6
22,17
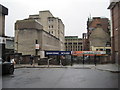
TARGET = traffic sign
x,y
2,40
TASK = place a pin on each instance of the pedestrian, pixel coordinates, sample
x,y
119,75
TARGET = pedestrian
x,y
33,62
13,60
31,59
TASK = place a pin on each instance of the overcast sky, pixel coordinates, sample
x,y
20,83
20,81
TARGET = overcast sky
x,y
73,13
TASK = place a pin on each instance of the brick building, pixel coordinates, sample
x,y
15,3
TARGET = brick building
x,y
95,21
92,31
115,16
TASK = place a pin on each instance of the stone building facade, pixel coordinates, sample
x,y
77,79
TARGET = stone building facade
x,y
73,43
51,24
99,40
29,33
115,17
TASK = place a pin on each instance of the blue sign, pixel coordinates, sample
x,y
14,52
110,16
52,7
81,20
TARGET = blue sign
x,y
57,52
52,52
65,52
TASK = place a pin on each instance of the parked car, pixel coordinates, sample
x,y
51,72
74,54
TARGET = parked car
x,y
7,67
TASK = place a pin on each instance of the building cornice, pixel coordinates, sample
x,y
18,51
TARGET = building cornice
x,y
112,4
3,10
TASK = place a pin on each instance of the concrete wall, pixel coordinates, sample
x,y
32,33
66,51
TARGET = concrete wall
x,y
27,38
49,42
99,38
26,42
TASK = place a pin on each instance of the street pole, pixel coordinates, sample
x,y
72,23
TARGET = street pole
x,y
2,48
48,63
95,59
83,60
71,60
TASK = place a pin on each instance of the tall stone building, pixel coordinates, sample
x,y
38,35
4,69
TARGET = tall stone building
x,y
115,16
51,24
31,38
73,43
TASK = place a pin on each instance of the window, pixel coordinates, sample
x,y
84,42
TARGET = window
x,y
49,26
58,27
101,49
50,20
81,47
52,26
75,43
96,49
52,32
108,51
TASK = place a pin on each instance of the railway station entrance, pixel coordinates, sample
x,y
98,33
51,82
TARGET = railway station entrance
x,y
59,57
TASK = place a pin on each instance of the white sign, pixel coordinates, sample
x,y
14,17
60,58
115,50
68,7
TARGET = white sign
x,y
37,46
94,52
2,40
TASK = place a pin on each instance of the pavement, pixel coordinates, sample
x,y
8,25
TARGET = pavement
x,y
104,67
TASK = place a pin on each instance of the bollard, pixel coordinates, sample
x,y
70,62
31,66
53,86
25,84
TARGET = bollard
x,y
49,62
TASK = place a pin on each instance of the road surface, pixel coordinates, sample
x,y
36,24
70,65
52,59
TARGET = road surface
x,y
60,78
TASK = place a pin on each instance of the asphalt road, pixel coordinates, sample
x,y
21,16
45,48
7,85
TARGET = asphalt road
x,y
60,78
